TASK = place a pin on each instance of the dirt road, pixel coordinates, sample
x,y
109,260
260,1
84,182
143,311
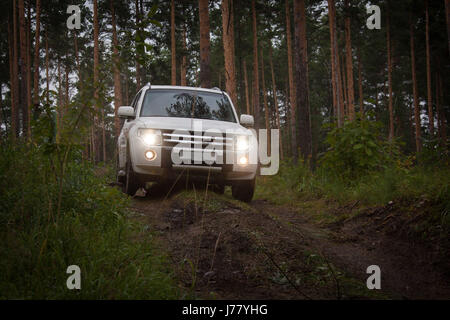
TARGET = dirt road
x,y
223,249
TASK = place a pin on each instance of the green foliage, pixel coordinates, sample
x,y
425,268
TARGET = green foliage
x,y
356,149
118,258
434,153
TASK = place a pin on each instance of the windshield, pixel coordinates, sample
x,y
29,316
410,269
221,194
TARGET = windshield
x,y
187,104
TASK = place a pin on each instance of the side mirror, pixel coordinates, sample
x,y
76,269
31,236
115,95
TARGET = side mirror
x,y
126,112
247,120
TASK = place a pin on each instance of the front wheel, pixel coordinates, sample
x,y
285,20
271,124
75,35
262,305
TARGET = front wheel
x,y
131,181
243,190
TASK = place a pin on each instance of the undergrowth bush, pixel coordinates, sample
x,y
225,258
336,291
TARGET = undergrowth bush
x,y
357,149
49,221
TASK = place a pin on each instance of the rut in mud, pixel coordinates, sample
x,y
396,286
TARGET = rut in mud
x,y
223,249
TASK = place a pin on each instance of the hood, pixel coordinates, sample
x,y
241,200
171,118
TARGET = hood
x,y
169,123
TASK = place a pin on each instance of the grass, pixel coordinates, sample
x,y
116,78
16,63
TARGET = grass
x,y
118,258
321,193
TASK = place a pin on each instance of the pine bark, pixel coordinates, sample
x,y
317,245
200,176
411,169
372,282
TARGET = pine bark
x,y
138,66
47,63
335,65
430,98
173,45
28,70
116,70
96,141
183,68
36,53
12,67
23,67
205,54
447,18
443,125
266,105
275,101
302,98
349,61
360,88
247,99
228,46
256,105
292,91
389,58
415,93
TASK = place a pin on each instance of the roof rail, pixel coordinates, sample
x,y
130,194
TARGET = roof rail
x,y
215,88
149,85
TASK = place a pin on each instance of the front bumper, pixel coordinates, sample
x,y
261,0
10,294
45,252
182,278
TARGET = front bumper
x,y
162,166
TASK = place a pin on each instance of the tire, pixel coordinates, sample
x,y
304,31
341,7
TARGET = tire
x,y
243,190
131,181
120,179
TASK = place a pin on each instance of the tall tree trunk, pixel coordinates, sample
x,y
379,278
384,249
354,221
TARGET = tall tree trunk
x,y
67,97
205,55
335,73
28,67
117,82
85,152
415,93
292,93
266,105
77,58
443,117
96,78
438,109
16,115
302,99
47,76
430,98
256,105
138,66
23,68
183,67
36,53
12,76
247,100
389,58
173,45
228,46
349,60
447,18
360,88
344,84
58,105
275,101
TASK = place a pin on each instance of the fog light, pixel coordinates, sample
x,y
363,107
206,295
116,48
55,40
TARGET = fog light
x,y
243,160
150,155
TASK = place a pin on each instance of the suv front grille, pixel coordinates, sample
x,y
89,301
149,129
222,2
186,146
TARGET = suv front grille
x,y
220,142
192,142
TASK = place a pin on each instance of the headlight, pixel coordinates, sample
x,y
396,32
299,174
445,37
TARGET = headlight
x,y
242,143
150,137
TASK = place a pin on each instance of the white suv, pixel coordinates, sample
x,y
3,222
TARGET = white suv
x,y
173,132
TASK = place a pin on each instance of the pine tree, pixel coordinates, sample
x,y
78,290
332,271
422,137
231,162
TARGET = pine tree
x,y
301,78
205,55
173,44
228,46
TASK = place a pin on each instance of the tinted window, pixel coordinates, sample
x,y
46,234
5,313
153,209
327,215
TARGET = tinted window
x,y
187,104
